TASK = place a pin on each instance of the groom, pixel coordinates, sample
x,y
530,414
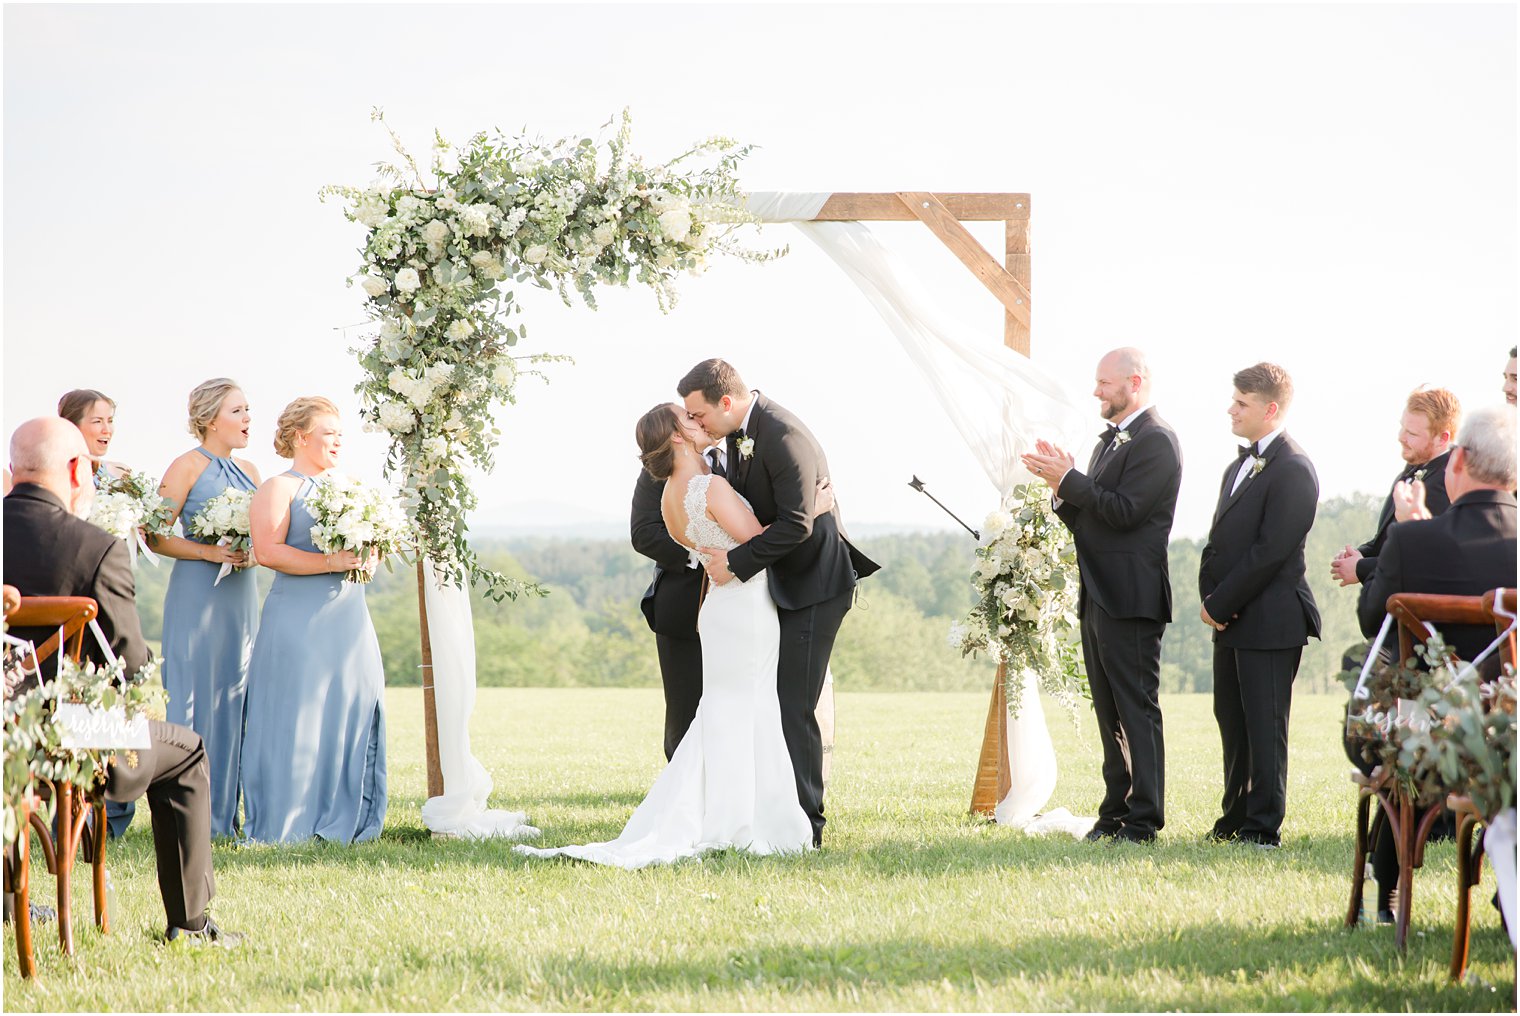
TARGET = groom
x,y
774,461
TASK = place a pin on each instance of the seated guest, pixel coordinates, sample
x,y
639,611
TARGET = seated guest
x,y
1430,420
1467,551
50,551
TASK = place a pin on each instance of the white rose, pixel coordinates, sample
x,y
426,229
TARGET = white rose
x,y
435,448
995,524
399,381
675,223
374,285
407,281
535,254
459,329
665,260
604,234
436,232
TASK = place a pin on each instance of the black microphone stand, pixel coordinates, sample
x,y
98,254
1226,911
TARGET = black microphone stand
x,y
918,485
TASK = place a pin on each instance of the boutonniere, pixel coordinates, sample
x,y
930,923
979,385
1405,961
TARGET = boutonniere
x,y
746,446
1258,463
1121,439
1419,474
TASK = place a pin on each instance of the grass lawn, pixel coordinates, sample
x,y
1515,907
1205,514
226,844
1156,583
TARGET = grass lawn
x,y
911,905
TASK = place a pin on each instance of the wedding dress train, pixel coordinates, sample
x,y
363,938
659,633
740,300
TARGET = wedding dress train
x,y
729,783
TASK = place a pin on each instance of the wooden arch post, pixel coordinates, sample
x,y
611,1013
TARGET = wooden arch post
x,y
1009,281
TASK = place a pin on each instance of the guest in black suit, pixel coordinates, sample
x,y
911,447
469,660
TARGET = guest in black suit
x,y
51,551
811,567
1467,551
1120,515
1257,600
1431,417
670,606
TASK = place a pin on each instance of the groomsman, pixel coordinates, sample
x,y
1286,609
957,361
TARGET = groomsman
x,y
1257,600
670,606
1120,515
1431,417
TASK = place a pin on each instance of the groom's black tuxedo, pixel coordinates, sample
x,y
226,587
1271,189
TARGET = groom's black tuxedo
x,y
811,569
49,552
670,606
1120,515
1252,579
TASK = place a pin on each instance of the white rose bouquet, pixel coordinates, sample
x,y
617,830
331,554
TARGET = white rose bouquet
x,y
353,516
131,509
1026,616
224,521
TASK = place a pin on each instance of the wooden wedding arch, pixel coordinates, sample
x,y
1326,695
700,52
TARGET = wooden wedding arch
x,y
1009,281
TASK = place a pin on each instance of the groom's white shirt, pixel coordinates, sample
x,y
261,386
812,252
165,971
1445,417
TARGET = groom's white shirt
x,y
720,449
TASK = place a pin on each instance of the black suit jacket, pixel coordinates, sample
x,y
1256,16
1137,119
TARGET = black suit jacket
x,y
49,552
1465,552
1252,576
671,601
808,560
1433,473
1120,515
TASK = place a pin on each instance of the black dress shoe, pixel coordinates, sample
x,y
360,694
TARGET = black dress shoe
x,y
1261,841
211,935
1215,836
1098,834
1135,835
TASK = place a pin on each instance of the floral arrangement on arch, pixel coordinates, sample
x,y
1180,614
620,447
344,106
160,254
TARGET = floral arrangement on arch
x,y
1026,612
437,260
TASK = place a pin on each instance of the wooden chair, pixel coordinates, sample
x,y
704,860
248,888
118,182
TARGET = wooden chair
x,y
70,615
1415,612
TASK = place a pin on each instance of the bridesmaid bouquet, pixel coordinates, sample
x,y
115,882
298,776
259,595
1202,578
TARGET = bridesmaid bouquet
x,y
351,515
224,521
130,509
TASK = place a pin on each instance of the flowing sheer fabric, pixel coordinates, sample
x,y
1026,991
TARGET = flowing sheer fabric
x,y
461,809
1000,401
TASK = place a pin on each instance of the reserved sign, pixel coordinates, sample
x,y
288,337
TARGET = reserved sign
x,y
83,727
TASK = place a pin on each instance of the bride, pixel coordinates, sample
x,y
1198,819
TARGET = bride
x,y
729,783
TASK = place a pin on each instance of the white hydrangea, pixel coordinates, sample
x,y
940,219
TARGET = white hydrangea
x,y
475,220
411,209
995,524
372,209
397,418
435,448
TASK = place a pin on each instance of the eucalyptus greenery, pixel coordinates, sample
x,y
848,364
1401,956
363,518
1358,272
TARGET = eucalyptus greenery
x,y
438,260
34,751
1439,730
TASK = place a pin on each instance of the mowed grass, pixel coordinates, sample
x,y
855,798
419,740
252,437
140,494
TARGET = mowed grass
x,y
911,905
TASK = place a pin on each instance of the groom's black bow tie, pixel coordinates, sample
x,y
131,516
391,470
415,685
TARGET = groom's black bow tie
x,y
1252,450
1108,433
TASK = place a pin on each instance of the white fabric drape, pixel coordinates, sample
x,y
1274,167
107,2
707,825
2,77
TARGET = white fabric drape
x,y
1499,844
461,809
1000,401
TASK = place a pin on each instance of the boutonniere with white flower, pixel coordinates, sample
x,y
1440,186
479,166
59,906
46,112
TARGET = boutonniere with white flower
x,y
1121,439
1258,463
1419,474
746,446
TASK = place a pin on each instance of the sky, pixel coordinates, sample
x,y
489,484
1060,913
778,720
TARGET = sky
x,y
1332,188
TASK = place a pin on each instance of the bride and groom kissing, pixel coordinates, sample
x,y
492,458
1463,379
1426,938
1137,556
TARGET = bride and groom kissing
x,y
743,488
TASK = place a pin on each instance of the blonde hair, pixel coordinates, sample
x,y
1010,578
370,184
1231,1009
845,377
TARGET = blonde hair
x,y
296,419
206,401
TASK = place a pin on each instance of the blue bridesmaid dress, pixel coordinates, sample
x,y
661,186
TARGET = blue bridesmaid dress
x,y
314,745
208,635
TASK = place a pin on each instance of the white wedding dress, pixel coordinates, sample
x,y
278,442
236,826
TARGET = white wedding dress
x,y
730,782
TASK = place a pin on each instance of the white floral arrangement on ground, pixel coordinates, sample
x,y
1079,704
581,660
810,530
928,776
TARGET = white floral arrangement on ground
x,y
130,508
1026,614
352,515
223,520
437,260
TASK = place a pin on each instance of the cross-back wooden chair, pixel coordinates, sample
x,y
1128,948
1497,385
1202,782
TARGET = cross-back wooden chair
x,y
69,616
1415,613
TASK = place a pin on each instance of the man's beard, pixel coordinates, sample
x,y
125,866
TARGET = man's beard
x,y
1115,408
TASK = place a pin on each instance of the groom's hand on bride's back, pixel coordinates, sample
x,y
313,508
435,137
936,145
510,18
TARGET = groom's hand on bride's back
x,y
716,564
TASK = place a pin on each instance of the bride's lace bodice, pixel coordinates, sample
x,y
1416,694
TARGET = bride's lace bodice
x,y
701,530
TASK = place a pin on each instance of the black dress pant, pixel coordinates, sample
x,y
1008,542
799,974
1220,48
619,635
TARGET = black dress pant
x,y
1123,659
681,676
1253,689
174,774
807,640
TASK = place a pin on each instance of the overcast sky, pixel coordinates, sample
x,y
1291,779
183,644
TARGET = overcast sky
x,y
1331,188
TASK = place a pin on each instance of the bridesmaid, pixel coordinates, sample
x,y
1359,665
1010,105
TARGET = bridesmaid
x,y
209,626
314,748
94,413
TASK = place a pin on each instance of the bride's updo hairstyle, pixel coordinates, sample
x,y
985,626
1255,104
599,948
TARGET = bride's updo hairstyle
x,y
654,431
296,419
